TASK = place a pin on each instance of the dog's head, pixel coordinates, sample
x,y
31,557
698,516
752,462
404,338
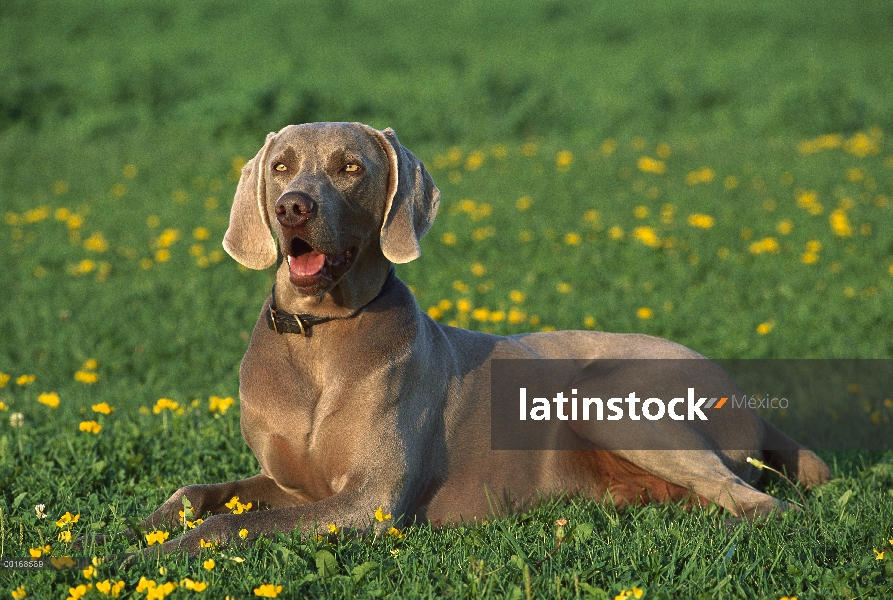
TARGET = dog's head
x,y
343,200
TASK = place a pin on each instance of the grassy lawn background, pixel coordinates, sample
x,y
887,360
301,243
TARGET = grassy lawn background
x,y
715,173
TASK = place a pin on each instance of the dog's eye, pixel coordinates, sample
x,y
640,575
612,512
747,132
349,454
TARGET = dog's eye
x,y
351,168
280,167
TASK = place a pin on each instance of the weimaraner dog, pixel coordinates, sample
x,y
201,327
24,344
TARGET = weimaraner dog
x,y
353,399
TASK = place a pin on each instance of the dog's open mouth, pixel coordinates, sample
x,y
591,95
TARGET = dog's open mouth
x,y
312,271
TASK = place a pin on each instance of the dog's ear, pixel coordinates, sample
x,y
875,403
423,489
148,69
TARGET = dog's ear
x,y
410,203
248,238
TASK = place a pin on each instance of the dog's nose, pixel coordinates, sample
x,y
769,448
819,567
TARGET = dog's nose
x,y
294,208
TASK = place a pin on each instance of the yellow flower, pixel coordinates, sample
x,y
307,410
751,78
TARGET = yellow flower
x,y
640,212
615,232
634,592
563,288
380,516
145,584
103,408
96,243
878,555
51,399
435,313
644,313
39,551
589,322
89,572
564,160
19,593
87,377
165,404
448,238
268,590
764,328
516,316
523,203
840,224
157,537
167,238
394,532
332,528
205,544
647,164
4,379
209,564
243,533
201,233
572,238
478,270
218,404
75,593
67,519
702,221
90,427
767,244
785,227
647,236
64,536
25,379
195,586
463,305
480,314
110,589
809,258
517,296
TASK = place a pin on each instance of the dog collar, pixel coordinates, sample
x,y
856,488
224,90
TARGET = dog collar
x,y
283,322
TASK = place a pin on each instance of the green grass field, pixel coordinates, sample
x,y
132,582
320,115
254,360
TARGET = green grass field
x,y
716,173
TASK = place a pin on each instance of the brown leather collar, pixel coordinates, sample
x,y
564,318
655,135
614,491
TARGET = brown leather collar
x,y
283,322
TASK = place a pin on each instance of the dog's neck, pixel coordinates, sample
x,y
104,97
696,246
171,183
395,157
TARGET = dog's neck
x,y
348,297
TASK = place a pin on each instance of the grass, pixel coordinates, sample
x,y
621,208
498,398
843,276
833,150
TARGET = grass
x,y
653,168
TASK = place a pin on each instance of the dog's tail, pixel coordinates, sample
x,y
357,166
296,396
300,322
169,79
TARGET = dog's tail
x,y
784,454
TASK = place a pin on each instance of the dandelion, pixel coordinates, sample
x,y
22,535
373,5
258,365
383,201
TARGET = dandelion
x,y
517,296
785,227
87,377
102,408
701,221
651,165
243,533
156,537
475,160
564,160
645,313
4,379
525,236
840,224
572,239
809,258
640,212
766,327
380,516
23,380
50,399
767,244
563,288
77,592
96,243
165,404
589,322
90,427
463,305
633,592
478,270
647,236
220,405
267,590
730,182
480,314
615,232
862,145
167,238
448,238
516,316
592,216
195,586
444,305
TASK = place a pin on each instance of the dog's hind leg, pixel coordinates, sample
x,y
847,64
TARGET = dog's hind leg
x,y
784,454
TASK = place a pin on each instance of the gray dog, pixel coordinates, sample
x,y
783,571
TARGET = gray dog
x,y
353,399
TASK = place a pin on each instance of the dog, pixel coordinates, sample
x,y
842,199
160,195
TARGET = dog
x,y
353,399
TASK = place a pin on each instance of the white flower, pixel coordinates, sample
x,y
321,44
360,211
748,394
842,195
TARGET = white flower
x,y
38,508
16,419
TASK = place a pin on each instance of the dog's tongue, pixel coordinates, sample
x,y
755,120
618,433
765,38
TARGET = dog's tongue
x,y
309,263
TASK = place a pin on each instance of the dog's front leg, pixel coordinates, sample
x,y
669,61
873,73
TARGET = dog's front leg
x,y
349,509
260,491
